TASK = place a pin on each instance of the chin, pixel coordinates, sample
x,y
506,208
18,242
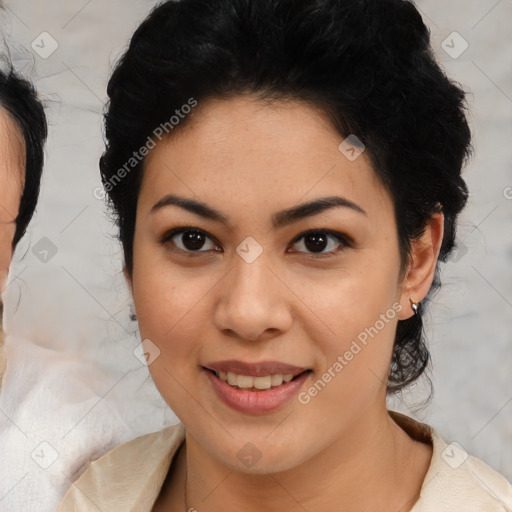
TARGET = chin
x,y
257,457
262,467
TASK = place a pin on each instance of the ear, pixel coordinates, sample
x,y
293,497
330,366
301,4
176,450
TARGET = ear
x,y
422,265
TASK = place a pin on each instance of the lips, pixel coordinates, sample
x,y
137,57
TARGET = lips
x,y
255,394
259,369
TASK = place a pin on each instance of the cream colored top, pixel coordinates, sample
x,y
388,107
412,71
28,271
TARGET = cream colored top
x,y
129,478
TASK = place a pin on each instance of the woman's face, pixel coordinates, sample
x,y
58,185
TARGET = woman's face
x,y
12,165
251,294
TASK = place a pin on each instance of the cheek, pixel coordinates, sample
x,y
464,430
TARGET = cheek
x,y
168,296
10,197
165,316
354,339
167,309
174,313
344,303
6,237
356,361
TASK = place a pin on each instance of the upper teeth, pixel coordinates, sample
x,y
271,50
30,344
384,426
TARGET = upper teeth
x,y
246,381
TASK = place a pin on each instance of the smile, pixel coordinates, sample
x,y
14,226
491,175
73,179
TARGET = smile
x,y
254,383
270,387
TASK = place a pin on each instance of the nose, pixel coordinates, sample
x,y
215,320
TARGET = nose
x,y
254,304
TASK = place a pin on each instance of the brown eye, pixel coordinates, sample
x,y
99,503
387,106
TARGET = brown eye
x,y
316,242
189,240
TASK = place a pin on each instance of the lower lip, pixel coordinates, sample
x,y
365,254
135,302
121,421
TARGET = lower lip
x,y
256,402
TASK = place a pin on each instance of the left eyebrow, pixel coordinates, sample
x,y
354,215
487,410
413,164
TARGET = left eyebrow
x,y
315,207
279,219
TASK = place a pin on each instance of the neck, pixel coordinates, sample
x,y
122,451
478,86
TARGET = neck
x,y
373,463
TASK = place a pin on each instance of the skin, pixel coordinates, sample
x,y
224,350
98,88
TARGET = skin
x,y
12,165
249,160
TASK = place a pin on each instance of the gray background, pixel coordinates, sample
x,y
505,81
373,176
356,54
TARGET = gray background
x,y
73,386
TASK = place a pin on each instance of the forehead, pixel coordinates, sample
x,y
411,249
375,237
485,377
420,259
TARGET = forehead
x,y
244,151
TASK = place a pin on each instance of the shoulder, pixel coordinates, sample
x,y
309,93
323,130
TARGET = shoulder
x,y
457,480
128,477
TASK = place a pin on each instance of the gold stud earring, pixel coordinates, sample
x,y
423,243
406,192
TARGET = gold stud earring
x,y
414,306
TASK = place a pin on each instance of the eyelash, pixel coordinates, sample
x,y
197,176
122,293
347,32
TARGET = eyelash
x,y
344,241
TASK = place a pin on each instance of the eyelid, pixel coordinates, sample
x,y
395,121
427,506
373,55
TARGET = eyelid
x,y
341,237
168,235
344,239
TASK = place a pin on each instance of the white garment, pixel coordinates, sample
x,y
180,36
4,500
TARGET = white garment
x,y
130,477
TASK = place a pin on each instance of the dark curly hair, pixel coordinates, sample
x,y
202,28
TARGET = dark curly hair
x,y
18,97
367,64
